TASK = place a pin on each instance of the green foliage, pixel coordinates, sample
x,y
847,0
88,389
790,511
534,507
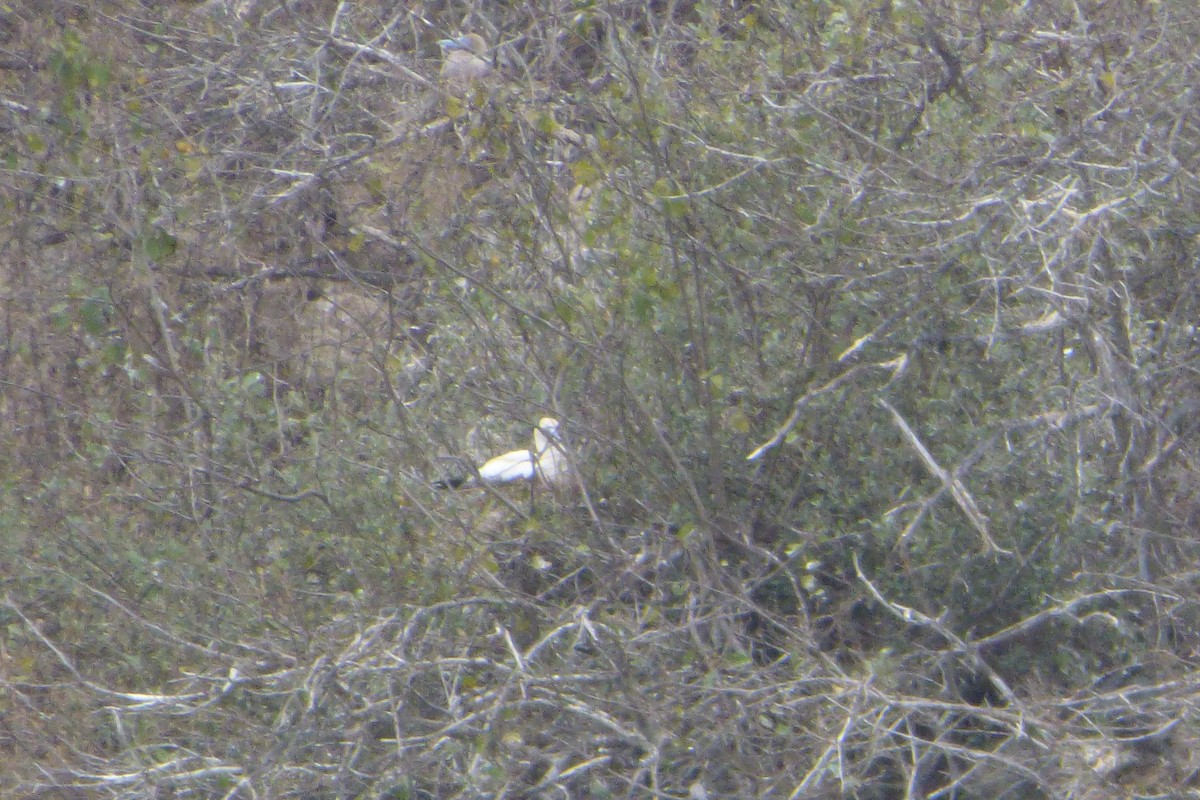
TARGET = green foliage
x,y
934,271
158,244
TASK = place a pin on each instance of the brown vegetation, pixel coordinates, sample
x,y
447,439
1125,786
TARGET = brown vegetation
x,y
872,331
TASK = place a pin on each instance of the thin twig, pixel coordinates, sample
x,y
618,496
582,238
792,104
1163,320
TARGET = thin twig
x,y
949,480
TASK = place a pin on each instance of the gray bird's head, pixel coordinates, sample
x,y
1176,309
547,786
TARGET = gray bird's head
x,y
470,42
464,60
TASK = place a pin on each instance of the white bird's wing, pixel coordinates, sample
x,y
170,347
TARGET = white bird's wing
x,y
514,466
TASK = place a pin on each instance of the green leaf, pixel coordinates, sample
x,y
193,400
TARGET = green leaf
x,y
585,172
93,314
59,318
804,212
565,311
676,208
98,75
113,353
674,203
642,306
158,244
547,124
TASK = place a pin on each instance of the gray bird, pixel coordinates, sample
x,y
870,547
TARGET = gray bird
x,y
464,59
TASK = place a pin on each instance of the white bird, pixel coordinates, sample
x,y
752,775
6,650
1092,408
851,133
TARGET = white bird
x,y
546,461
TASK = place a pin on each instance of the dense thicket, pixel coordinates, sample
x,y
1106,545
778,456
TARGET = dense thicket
x,y
871,327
